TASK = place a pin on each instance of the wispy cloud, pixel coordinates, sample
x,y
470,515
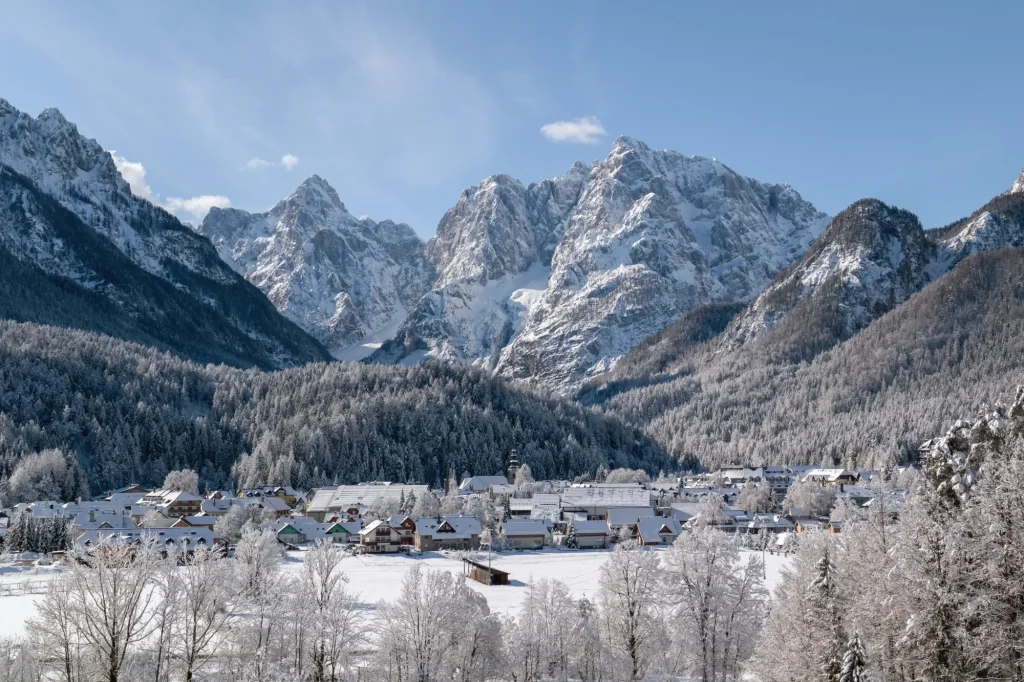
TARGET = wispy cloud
x,y
586,130
134,173
257,162
288,162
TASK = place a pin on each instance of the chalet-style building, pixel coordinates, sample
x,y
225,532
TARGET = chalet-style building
x,y
300,530
657,531
405,524
379,538
452,532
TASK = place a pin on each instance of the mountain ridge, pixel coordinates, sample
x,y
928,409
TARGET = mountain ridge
x,y
66,212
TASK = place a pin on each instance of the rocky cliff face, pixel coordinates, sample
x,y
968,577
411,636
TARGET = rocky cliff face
x,y
553,282
348,281
654,234
67,213
492,253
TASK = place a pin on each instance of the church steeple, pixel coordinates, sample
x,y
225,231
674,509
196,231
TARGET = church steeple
x,y
513,465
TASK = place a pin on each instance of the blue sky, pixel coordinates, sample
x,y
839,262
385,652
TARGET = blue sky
x,y
401,106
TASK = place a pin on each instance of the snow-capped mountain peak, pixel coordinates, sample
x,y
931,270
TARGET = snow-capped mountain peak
x,y
316,195
555,281
347,281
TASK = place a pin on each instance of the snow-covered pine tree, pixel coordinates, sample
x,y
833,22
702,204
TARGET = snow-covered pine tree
x,y
823,601
14,542
854,662
571,540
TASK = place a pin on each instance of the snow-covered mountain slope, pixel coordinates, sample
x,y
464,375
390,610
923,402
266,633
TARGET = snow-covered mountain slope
x,y
653,235
347,281
66,212
870,258
996,225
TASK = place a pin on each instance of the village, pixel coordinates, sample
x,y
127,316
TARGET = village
x,y
502,512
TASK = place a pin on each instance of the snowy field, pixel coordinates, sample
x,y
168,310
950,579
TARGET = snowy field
x,y
378,577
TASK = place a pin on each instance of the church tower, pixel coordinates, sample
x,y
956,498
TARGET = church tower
x,y
513,465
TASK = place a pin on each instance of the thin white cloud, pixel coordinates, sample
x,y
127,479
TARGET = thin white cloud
x,y
134,173
197,207
288,161
586,130
257,162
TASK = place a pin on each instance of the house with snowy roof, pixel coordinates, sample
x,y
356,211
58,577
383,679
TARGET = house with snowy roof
x,y
450,532
299,530
769,523
166,540
356,499
596,500
379,538
480,484
173,502
626,517
92,521
657,530
590,534
405,524
832,476
525,533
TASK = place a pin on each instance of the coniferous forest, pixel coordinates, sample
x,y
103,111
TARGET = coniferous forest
x,y
131,413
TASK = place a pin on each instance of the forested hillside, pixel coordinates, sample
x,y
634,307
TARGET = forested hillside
x,y
954,346
131,413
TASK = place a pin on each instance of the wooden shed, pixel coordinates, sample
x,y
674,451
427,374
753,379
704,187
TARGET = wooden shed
x,y
484,574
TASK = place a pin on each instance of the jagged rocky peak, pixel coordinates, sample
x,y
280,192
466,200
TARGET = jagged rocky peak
x,y
485,236
654,234
341,278
553,282
315,194
50,151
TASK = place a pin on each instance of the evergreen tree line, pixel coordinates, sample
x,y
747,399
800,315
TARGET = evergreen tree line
x,y
30,534
129,413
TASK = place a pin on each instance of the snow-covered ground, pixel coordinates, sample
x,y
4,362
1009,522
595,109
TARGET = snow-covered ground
x,y
378,577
